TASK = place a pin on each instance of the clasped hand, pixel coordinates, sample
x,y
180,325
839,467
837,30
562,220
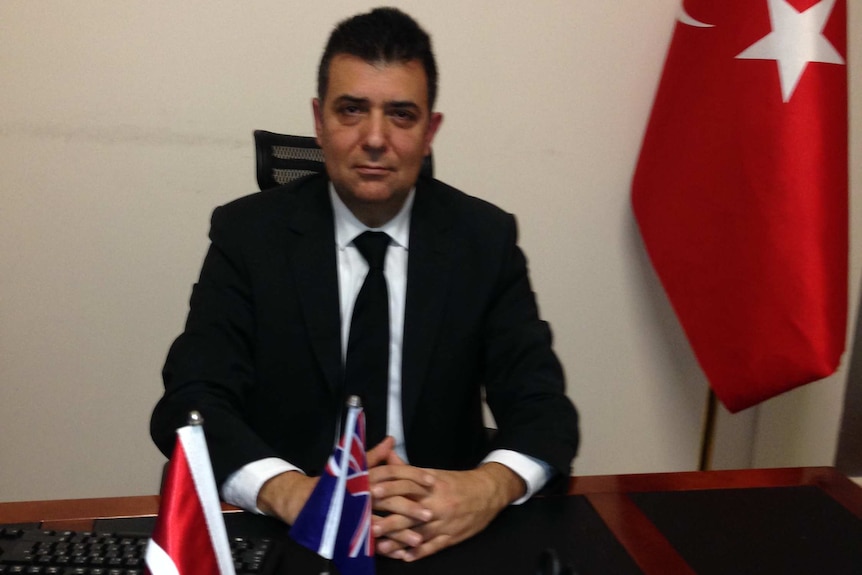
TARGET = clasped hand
x,y
421,511
417,511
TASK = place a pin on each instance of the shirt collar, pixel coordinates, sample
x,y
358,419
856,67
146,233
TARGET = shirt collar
x,y
348,226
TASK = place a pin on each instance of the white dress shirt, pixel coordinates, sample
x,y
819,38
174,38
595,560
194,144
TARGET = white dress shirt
x,y
242,487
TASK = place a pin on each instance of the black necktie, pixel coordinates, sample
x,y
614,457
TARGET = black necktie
x,y
367,365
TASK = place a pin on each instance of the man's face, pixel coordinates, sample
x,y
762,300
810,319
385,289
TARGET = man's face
x,y
375,127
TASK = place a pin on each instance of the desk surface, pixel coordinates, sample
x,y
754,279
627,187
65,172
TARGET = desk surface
x,y
655,523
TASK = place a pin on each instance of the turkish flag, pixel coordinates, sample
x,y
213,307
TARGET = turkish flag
x,y
189,537
741,191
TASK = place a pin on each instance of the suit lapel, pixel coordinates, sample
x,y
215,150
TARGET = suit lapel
x,y
428,270
312,261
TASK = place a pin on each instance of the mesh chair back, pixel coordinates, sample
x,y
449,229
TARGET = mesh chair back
x,y
282,158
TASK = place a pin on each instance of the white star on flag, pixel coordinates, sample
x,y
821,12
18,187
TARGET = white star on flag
x,y
796,39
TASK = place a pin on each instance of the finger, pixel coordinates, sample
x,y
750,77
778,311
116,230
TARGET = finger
x,y
404,539
395,554
388,525
383,525
404,507
395,459
380,452
386,546
393,472
399,488
428,548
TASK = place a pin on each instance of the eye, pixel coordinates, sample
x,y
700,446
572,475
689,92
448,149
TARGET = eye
x,y
404,116
350,109
349,113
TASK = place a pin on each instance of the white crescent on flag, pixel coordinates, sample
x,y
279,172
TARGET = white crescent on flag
x,y
158,560
686,19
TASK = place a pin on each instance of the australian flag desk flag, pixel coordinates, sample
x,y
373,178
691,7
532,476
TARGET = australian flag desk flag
x,y
336,521
190,536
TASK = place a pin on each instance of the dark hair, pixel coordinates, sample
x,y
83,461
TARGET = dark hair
x,y
382,35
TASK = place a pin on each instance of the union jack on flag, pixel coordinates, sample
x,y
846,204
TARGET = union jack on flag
x,y
336,520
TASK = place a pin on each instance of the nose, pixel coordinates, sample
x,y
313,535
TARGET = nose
x,y
376,132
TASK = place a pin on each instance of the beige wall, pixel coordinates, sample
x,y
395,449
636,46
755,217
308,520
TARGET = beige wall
x,y
122,124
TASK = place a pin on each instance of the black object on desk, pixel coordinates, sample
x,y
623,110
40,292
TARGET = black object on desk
x,y
785,530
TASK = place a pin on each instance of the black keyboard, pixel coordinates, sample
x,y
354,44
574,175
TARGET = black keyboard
x,y
38,552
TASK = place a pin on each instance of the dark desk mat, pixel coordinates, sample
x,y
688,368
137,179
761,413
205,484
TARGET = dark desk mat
x,y
786,530
511,545
513,542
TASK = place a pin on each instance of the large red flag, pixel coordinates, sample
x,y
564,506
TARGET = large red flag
x,y
190,536
741,190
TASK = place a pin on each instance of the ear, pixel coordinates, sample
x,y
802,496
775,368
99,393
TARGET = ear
x,y
318,118
434,124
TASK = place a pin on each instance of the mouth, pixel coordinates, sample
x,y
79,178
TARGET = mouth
x,y
372,170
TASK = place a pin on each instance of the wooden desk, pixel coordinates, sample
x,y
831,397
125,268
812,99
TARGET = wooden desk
x,y
610,495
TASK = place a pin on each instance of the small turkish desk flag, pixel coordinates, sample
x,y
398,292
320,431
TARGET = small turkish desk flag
x,y
741,191
190,536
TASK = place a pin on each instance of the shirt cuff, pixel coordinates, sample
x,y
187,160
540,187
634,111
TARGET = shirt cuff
x,y
243,485
534,472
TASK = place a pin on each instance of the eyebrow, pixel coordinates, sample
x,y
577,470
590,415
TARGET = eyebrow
x,y
347,99
404,104
400,104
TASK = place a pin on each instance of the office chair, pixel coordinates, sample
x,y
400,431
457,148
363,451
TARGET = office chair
x,y
282,158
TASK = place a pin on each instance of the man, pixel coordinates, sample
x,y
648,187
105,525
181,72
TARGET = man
x,y
264,353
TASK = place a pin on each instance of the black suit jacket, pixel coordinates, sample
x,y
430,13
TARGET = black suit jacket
x,y
260,356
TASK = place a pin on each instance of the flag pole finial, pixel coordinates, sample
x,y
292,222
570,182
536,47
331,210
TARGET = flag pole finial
x,y
354,401
195,418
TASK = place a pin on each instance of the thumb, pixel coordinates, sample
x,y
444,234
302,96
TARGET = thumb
x,y
381,452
